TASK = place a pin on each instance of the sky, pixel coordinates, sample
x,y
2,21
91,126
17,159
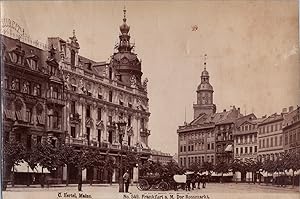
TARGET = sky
x,y
252,50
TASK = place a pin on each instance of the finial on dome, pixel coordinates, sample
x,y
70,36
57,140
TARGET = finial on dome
x,y
205,58
124,10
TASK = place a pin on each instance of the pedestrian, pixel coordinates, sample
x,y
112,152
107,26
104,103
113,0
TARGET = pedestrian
x,y
204,181
193,181
198,180
126,181
188,182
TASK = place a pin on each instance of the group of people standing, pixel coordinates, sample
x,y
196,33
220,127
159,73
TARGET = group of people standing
x,y
195,178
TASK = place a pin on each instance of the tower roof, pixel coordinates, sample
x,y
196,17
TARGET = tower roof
x,y
124,28
205,85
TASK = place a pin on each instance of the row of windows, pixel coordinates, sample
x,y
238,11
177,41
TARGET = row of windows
x,y
197,147
22,85
196,159
99,133
110,97
247,127
99,114
224,136
245,139
241,150
195,136
270,142
292,136
29,139
270,128
225,127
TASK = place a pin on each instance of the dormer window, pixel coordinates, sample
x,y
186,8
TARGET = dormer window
x,y
110,96
88,111
5,82
72,58
26,87
37,90
15,84
89,66
110,73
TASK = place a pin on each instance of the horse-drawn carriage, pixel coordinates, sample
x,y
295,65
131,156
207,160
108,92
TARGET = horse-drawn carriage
x,y
166,182
153,181
161,182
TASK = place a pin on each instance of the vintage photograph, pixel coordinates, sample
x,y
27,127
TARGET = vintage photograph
x,y
150,99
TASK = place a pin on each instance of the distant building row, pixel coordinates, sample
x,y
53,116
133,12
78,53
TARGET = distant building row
x,y
220,137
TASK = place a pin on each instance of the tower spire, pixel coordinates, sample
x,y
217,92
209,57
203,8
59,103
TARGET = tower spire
x,y
124,11
205,58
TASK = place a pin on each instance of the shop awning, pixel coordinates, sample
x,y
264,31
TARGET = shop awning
x,y
25,168
229,148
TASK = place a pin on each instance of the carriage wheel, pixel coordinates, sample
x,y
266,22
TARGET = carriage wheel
x,y
163,186
143,185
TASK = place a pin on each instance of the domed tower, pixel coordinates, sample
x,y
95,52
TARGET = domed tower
x,y
204,95
124,61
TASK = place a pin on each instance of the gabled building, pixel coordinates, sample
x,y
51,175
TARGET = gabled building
x,y
291,130
33,97
161,157
270,137
245,137
224,130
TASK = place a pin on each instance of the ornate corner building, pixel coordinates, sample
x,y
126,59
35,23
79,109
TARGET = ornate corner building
x,y
63,96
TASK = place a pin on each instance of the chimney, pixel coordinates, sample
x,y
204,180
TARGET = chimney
x,y
284,110
224,110
291,108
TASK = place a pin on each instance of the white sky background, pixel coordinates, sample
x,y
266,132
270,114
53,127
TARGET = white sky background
x,y
252,49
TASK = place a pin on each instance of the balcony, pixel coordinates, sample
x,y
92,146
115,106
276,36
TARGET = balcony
x,y
55,101
54,129
103,145
77,141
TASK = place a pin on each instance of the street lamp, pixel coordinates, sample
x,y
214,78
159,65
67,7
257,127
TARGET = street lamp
x,y
121,126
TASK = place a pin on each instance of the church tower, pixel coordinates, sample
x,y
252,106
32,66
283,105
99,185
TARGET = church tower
x,y
204,95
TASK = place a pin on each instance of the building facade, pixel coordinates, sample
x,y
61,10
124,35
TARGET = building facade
x,y
291,131
33,97
245,138
246,143
224,130
270,137
161,157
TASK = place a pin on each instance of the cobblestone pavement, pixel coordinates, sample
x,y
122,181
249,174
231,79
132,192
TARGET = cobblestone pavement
x,y
213,190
